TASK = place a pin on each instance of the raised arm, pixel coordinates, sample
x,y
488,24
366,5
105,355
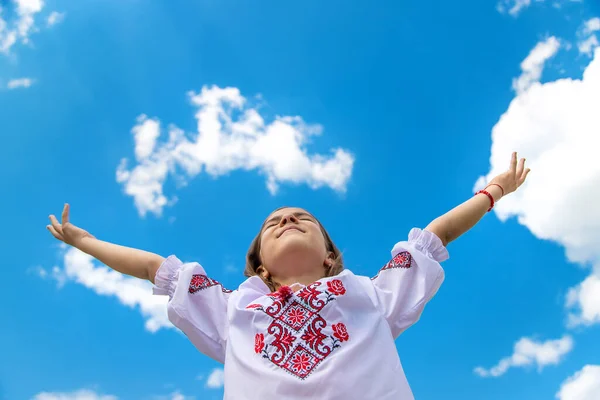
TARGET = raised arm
x,y
129,261
459,220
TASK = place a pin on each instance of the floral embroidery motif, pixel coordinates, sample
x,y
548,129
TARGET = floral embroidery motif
x,y
340,332
259,343
200,282
400,260
336,287
297,335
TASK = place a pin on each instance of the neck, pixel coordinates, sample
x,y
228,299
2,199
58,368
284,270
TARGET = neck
x,y
304,280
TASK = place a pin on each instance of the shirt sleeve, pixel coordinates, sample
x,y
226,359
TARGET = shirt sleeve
x,y
197,305
409,280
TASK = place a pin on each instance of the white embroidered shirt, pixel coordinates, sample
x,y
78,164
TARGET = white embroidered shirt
x,y
333,339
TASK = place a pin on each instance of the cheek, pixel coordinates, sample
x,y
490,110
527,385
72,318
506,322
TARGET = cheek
x,y
318,239
266,244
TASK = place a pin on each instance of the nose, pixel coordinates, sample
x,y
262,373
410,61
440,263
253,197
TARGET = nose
x,y
288,218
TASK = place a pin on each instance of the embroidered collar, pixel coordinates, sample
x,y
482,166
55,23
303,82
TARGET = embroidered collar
x,y
256,285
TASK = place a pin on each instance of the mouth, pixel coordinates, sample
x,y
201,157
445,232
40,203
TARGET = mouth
x,y
290,228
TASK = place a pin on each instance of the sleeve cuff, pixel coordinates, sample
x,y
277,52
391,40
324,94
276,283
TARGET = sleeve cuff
x,y
166,277
428,243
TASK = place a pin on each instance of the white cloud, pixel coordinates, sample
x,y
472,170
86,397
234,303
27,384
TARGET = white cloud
x,y
588,41
176,395
584,302
54,18
592,25
529,352
77,395
586,46
533,66
514,7
22,25
132,292
555,125
39,271
19,83
230,135
584,385
216,379
145,135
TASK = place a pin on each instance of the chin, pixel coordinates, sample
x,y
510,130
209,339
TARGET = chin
x,y
295,244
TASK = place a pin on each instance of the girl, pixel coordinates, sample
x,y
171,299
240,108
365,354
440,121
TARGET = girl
x,y
301,326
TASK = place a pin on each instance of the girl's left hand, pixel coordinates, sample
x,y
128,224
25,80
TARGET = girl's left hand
x,y
512,179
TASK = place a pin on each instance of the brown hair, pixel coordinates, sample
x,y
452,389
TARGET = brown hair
x,y
253,261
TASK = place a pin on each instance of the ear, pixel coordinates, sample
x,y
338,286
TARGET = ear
x,y
262,271
329,260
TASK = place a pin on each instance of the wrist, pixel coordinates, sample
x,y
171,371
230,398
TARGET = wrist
x,y
495,190
83,243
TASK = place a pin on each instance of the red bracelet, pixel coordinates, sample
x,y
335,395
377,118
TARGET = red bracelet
x,y
495,184
488,195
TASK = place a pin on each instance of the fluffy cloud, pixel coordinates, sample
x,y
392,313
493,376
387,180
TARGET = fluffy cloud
x,y
529,352
584,301
588,40
19,83
555,125
584,385
230,135
216,379
22,26
533,66
77,395
132,292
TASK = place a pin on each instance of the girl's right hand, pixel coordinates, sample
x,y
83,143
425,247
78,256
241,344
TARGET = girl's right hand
x,y
67,232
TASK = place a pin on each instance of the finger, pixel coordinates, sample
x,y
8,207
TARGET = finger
x,y
520,168
524,176
55,233
65,214
513,163
55,224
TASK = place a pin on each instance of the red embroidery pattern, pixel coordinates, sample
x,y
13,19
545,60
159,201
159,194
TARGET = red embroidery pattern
x,y
201,282
297,341
336,287
340,332
259,343
400,260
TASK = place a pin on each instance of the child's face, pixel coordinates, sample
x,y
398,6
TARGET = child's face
x,y
292,237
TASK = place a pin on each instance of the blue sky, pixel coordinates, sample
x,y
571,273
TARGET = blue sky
x,y
376,118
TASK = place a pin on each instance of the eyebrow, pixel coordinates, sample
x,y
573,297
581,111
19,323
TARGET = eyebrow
x,y
297,214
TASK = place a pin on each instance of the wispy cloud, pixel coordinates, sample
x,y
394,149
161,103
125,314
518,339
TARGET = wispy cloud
x,y
21,83
54,18
82,394
588,41
86,394
529,352
533,65
515,7
231,135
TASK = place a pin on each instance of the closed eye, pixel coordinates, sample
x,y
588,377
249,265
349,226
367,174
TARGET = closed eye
x,y
300,215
